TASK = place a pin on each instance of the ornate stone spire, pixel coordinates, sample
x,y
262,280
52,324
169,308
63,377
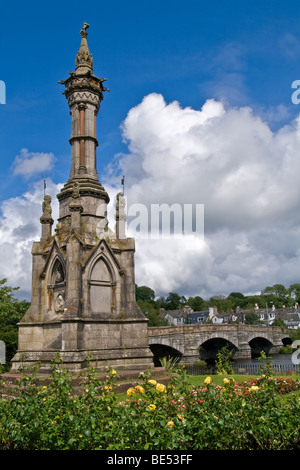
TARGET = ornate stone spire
x,y
84,60
84,92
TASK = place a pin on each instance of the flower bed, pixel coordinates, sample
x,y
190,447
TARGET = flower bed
x,y
236,415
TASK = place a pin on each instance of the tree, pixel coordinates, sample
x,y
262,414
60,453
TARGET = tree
x,y
151,311
251,318
277,294
294,292
279,322
174,301
144,293
11,312
196,303
236,295
223,304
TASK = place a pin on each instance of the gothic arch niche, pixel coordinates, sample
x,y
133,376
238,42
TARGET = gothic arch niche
x,y
58,274
56,288
102,288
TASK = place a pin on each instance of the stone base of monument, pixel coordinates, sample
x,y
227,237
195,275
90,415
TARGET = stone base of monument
x,y
125,380
76,361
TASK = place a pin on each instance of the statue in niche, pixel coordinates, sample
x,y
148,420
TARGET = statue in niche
x,y
59,304
58,274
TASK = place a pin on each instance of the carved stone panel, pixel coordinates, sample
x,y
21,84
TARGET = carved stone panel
x,y
101,288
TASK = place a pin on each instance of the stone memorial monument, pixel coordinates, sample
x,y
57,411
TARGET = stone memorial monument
x,y
83,284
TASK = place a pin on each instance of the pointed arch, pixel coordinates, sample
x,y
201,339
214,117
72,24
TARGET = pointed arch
x,y
101,286
56,282
57,272
101,268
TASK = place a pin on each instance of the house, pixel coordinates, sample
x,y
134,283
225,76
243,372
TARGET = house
x,y
197,317
176,317
185,315
291,317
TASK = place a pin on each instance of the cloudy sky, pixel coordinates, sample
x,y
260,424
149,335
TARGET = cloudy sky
x,y
199,114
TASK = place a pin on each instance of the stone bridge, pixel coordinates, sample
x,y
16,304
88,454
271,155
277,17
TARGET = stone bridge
x,y
194,342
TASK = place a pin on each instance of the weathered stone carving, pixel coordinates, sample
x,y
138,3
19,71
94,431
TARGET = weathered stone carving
x,y
47,210
59,303
58,274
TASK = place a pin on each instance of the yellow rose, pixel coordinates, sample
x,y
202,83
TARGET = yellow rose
x,y
160,388
152,382
170,424
151,407
107,388
140,389
226,381
208,380
112,372
130,391
181,417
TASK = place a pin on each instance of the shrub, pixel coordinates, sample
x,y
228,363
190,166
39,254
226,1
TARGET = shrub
x,y
56,415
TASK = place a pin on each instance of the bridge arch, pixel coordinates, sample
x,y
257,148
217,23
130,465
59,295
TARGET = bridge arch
x,y
162,350
259,344
287,341
209,349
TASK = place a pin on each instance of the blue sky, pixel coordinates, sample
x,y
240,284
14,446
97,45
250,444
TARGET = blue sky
x,y
239,53
245,52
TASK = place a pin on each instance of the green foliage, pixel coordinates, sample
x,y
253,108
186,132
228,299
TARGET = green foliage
x,y
251,318
279,322
144,293
277,295
54,415
266,368
196,303
151,311
174,301
11,312
294,292
224,362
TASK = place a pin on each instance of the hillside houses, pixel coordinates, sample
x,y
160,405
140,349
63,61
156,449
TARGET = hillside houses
x,y
290,316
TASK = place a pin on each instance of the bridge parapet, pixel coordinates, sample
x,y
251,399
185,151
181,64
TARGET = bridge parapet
x,y
186,339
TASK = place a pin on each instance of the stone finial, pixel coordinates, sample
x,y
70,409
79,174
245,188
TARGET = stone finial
x,y
46,219
84,59
120,216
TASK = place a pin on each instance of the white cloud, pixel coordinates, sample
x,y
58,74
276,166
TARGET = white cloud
x,y
30,164
19,228
245,175
225,158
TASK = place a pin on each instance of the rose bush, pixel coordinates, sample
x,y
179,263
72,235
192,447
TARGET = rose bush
x,y
238,415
